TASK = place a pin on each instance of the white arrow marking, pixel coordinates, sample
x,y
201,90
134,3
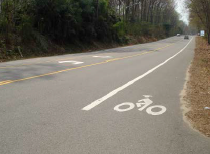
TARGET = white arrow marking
x,y
73,62
102,56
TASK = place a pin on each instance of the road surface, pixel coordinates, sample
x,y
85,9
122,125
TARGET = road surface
x,y
117,101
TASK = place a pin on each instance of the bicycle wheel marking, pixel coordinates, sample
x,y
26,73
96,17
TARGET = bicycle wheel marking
x,y
120,109
149,110
143,104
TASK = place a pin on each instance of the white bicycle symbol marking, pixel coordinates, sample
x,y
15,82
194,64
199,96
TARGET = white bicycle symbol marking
x,y
142,104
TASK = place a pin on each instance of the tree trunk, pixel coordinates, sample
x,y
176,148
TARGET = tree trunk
x,y
97,5
208,36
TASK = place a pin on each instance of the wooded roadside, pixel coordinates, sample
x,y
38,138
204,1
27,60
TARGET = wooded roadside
x,y
36,28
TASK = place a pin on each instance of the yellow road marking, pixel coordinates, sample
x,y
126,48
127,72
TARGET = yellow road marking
x,y
128,56
55,60
5,82
35,63
164,47
52,73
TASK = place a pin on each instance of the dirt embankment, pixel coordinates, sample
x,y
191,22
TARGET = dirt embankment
x,y
197,90
32,50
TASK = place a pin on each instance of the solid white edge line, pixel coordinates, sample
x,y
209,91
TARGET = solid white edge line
x,y
114,92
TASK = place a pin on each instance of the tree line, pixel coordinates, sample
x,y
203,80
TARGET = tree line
x,y
40,22
156,18
153,11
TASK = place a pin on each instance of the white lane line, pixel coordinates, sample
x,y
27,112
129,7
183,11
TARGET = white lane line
x,y
114,92
102,57
73,62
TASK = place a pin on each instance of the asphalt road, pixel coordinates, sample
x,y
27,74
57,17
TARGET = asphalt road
x,y
117,101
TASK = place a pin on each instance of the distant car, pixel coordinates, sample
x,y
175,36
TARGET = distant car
x,y
178,35
186,37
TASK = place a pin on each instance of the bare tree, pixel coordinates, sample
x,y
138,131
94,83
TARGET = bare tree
x,y
201,10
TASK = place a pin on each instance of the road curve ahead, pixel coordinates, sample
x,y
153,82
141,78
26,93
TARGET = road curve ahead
x,y
117,101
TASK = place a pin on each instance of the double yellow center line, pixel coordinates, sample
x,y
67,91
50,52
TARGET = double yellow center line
x,y
61,71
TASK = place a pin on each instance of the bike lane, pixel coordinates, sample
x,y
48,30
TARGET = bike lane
x,y
147,117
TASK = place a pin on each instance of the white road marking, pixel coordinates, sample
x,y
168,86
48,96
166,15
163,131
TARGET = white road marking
x,y
130,107
162,110
73,62
142,104
102,56
114,92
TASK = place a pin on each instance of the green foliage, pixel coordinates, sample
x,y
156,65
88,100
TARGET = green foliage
x,y
38,22
25,28
40,40
120,28
3,24
148,30
167,28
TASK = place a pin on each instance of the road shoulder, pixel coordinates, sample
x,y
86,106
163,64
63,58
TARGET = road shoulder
x,y
195,97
